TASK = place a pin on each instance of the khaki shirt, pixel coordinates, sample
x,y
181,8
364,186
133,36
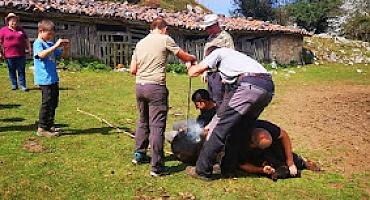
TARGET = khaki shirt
x,y
151,57
222,39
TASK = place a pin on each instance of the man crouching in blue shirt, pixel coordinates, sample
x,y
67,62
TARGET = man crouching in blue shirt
x,y
46,76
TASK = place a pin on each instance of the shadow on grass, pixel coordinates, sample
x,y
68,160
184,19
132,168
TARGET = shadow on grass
x,y
102,130
14,119
26,127
176,169
61,88
8,106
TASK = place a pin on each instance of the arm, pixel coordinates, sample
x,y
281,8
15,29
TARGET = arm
x,y
182,55
44,53
1,50
133,67
285,140
1,46
256,170
196,70
30,50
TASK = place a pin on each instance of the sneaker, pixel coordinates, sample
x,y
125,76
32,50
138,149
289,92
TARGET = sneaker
x,y
45,133
164,172
190,171
25,89
311,165
14,87
140,158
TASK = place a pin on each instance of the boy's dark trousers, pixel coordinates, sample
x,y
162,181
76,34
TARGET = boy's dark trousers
x,y
50,97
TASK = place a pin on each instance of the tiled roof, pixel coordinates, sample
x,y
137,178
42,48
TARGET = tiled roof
x,y
187,20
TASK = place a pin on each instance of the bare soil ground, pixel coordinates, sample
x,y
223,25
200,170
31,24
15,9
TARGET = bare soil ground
x,y
328,124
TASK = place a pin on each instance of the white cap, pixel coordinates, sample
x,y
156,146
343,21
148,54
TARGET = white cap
x,y
209,20
11,15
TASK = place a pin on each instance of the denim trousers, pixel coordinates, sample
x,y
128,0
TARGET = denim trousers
x,y
17,64
50,98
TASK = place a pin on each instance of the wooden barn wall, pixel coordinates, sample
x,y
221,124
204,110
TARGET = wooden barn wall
x,y
257,46
114,44
83,38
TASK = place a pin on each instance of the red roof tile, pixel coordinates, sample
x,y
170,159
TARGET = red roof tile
x,y
187,20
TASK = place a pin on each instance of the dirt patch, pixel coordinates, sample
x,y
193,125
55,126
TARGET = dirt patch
x,y
329,124
35,146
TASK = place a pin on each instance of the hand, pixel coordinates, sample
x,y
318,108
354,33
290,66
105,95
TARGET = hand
x,y
1,56
66,44
193,58
62,42
188,65
206,131
293,170
204,77
268,170
31,52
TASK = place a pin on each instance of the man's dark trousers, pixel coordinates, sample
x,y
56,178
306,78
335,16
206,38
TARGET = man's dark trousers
x,y
152,102
216,88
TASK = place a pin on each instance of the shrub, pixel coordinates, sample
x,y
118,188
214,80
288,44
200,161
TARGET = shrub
x,y
82,63
176,68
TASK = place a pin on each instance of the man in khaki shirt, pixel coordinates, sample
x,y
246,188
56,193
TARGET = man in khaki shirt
x,y
219,38
149,65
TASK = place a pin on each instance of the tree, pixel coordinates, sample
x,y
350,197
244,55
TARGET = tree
x,y
258,9
358,27
313,14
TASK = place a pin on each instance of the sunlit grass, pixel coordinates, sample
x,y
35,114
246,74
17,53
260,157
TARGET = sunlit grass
x,y
93,161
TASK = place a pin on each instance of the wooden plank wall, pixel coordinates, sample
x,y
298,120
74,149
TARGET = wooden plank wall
x,y
83,38
256,47
116,47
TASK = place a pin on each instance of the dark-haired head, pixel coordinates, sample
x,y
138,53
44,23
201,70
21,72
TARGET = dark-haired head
x,y
200,95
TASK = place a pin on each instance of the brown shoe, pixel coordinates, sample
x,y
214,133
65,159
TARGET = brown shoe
x,y
45,133
311,165
190,171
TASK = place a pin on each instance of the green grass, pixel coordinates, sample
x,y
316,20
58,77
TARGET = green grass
x,y
92,161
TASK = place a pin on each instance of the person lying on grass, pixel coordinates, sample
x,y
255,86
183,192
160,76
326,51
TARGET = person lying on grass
x,y
268,148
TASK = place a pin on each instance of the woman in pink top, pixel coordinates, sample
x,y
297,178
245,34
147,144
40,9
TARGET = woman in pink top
x,y
14,41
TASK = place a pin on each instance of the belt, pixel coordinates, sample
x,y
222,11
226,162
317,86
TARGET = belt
x,y
264,76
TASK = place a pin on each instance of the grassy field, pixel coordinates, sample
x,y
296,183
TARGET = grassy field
x,y
92,161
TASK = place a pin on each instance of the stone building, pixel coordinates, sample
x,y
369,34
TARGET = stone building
x,y
109,31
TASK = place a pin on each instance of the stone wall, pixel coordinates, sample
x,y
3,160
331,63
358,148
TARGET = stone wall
x,y
286,48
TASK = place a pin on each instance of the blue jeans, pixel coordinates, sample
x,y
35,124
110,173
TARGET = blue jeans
x,y
17,64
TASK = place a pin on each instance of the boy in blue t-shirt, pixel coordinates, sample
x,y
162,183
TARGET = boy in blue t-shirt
x,y
46,76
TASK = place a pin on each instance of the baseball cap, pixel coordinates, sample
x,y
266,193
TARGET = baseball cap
x,y
10,15
209,20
